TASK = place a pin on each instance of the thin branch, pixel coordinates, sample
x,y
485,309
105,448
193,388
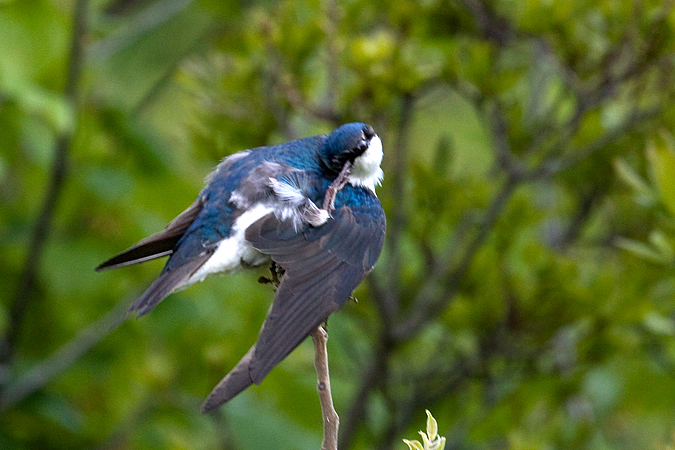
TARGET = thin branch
x,y
299,102
280,83
331,420
161,83
585,208
493,27
428,303
388,303
59,170
156,14
386,287
552,167
502,148
43,372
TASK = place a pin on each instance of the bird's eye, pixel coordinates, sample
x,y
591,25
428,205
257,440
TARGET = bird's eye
x,y
368,132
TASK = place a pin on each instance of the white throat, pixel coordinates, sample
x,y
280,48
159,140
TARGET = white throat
x,y
366,170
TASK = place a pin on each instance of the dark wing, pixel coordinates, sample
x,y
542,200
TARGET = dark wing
x,y
157,245
322,267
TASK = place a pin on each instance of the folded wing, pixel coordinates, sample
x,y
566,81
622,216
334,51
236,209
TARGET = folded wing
x,y
322,267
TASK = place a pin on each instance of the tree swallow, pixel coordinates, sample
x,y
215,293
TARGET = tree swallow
x,y
309,205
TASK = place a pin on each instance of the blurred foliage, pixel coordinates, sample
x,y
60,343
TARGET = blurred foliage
x,y
525,293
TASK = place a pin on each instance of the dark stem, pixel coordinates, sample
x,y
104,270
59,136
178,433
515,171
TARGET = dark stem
x,y
43,225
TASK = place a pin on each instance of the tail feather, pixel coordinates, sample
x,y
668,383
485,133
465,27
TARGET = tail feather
x,y
157,245
146,250
167,282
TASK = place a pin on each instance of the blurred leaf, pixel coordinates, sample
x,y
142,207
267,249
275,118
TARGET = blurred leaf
x,y
640,249
659,324
629,176
661,242
603,387
661,157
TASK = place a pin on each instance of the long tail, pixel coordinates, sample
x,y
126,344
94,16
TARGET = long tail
x,y
168,282
157,245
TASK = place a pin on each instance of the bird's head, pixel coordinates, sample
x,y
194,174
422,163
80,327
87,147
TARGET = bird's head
x,y
357,143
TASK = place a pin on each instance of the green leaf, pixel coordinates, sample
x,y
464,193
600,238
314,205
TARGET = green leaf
x,y
431,439
425,440
432,427
413,445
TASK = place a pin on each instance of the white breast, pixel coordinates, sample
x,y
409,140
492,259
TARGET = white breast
x,y
233,250
366,170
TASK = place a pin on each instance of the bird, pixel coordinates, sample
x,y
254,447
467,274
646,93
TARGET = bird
x,y
309,206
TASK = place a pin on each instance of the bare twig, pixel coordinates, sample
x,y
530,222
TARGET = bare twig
x,y
331,420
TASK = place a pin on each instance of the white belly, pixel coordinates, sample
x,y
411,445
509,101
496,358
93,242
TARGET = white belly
x,y
234,250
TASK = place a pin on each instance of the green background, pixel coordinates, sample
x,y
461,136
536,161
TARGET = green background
x,y
525,294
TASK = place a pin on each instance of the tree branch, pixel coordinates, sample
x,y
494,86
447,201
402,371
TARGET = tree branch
x,y
330,26
43,372
428,303
388,303
43,224
331,420
553,166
